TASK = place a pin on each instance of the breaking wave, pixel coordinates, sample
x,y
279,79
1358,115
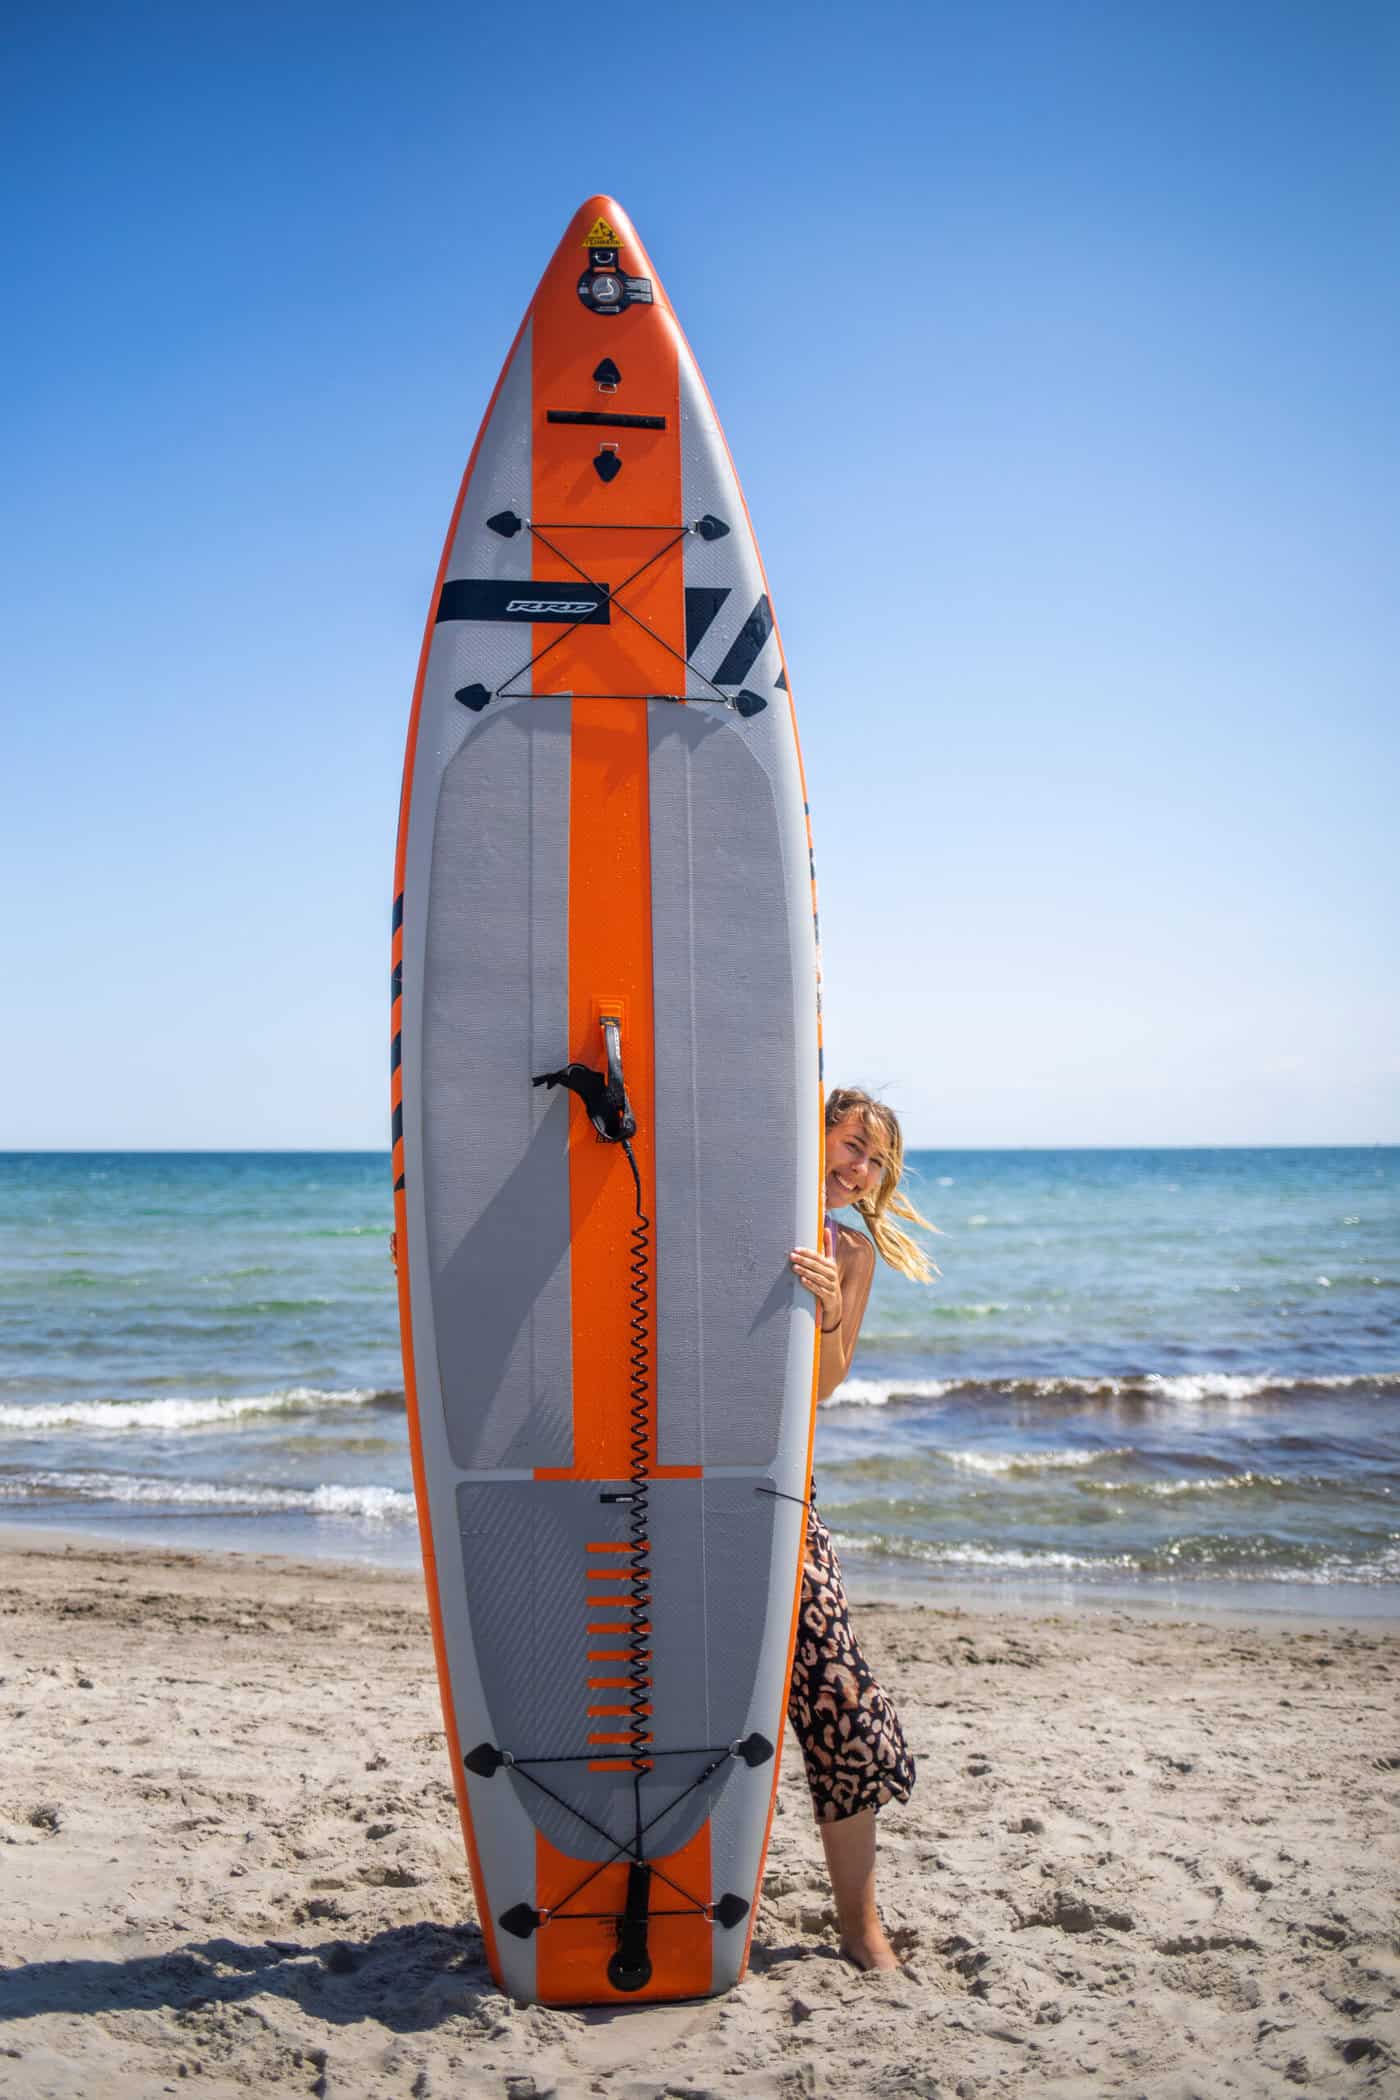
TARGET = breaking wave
x,y
379,1504
1182,1388
175,1413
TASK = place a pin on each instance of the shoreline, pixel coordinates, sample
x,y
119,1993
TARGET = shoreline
x,y
1245,1603
1153,1857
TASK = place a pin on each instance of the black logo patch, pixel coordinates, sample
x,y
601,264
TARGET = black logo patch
x,y
604,289
529,603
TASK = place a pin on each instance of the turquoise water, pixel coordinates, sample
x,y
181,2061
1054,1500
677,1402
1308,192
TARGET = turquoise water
x,y
1157,1372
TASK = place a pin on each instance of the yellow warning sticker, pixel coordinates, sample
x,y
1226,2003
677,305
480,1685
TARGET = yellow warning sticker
x,y
601,235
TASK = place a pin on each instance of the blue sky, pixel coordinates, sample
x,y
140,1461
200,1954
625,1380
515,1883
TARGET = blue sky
x,y
1057,347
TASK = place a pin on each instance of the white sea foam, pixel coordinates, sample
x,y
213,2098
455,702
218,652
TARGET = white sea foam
x,y
878,1392
977,1556
1228,1385
1011,1557
1191,1386
1150,1386
1384,1568
1055,1461
178,1413
380,1504
1210,1385
1206,1484
1185,1388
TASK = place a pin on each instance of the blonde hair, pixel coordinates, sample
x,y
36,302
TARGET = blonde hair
x,y
898,1248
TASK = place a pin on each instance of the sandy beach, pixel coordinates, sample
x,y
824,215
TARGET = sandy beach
x,y
1154,1858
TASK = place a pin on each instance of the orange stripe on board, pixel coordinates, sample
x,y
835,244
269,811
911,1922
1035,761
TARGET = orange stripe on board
x,y
610,958
609,836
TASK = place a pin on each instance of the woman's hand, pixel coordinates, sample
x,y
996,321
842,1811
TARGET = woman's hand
x,y
819,1274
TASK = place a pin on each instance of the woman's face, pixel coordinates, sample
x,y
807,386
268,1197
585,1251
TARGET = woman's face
x,y
855,1160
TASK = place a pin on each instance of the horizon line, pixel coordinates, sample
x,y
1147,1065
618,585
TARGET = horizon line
x,y
386,1152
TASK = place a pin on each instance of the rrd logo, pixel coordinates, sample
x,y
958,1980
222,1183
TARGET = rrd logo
x,y
525,598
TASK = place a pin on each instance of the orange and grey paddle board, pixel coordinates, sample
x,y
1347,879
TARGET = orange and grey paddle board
x,y
607,1127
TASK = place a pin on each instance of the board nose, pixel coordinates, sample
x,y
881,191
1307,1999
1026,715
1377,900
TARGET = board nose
x,y
600,265
599,206
601,223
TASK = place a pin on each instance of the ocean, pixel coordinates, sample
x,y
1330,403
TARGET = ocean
x,y
1162,1377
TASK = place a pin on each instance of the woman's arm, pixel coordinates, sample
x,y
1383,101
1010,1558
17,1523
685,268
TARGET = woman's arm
x,y
839,1280
855,1260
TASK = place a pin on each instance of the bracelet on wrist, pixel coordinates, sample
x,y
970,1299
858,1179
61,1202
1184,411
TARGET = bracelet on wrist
x,y
835,1327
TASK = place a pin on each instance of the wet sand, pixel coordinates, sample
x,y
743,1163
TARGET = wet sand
x,y
1148,1857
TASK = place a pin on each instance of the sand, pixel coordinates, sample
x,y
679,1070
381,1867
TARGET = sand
x,y
1154,1858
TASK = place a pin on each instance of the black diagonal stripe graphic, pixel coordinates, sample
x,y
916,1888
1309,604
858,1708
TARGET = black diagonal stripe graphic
x,y
747,642
702,602
396,1123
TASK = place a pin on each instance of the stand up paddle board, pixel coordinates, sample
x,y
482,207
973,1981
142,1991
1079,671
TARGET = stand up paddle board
x,y
607,1133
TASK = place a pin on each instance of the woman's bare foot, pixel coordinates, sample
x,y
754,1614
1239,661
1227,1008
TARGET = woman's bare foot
x,y
871,1951
850,1860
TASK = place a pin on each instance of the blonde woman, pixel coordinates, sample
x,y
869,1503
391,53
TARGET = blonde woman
x,y
854,1748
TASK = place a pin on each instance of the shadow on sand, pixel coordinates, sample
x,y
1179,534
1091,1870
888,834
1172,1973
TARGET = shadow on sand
x,y
409,1978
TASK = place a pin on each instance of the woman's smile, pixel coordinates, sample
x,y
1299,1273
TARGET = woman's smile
x,y
854,1161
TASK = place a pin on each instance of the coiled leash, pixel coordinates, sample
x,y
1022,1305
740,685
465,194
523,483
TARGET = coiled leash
x,y
604,1095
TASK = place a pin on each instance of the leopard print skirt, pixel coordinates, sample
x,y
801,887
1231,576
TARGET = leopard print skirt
x,y
853,1745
